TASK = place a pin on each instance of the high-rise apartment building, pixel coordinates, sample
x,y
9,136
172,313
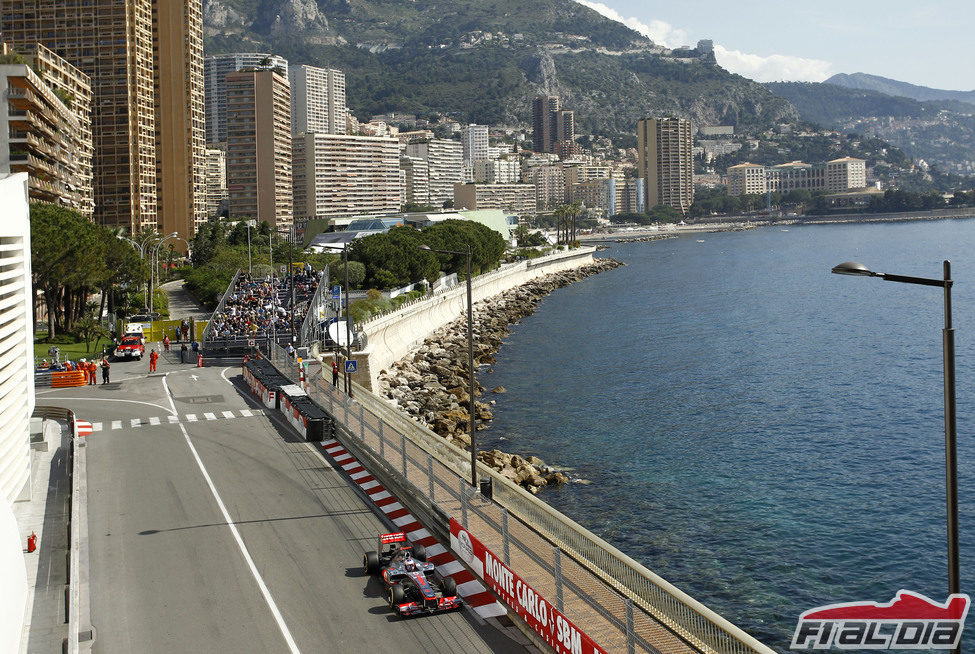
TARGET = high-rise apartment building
x,y
336,174
259,177
42,136
111,41
554,127
416,180
216,176
180,134
665,162
497,171
446,162
317,100
474,139
215,70
549,182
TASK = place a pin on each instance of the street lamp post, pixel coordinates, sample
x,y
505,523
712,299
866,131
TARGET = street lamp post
x,y
142,255
951,456
470,356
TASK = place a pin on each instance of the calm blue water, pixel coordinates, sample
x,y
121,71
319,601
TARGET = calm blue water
x,y
765,435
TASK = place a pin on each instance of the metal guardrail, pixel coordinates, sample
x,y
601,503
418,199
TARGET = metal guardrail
x,y
208,332
619,602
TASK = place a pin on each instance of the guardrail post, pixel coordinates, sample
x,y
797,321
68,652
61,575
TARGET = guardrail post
x,y
362,426
402,445
463,502
504,536
630,634
430,474
557,560
382,440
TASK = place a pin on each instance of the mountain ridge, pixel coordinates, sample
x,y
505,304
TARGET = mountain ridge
x,y
867,82
484,61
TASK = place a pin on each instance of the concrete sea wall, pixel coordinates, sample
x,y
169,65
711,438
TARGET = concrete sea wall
x,y
391,337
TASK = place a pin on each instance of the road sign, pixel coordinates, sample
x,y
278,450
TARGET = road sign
x,y
351,366
251,342
336,292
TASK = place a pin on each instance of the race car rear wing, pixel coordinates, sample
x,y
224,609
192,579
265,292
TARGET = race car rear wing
x,y
398,537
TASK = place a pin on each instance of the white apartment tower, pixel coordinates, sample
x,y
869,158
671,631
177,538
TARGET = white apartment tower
x,y
496,171
446,161
337,174
216,179
474,139
317,100
215,70
416,179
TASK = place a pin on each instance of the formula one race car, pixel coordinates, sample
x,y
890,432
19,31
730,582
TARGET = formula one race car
x,y
412,585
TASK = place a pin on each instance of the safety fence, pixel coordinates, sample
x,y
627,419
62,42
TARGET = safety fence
x,y
619,603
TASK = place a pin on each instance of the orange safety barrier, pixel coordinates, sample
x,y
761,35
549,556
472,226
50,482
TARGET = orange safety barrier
x,y
68,379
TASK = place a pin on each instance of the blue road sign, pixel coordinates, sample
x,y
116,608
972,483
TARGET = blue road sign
x,y
351,366
336,292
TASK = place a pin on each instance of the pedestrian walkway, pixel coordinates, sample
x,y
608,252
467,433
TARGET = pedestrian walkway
x,y
154,421
182,304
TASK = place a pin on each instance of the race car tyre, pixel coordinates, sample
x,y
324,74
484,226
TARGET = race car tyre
x,y
396,596
420,552
449,587
370,561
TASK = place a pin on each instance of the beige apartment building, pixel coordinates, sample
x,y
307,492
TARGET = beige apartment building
x,y
180,130
445,159
338,175
415,179
216,179
665,162
259,174
516,199
111,41
40,135
215,71
549,183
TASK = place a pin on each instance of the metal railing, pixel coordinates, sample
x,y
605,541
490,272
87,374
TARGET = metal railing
x,y
211,324
315,315
617,601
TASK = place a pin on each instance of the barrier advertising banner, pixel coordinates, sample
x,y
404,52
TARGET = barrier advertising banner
x,y
557,630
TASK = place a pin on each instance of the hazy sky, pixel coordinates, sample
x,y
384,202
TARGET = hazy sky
x,y
931,43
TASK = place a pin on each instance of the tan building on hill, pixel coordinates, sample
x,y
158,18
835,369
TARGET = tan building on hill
x,y
41,136
259,174
836,176
180,130
336,175
517,199
89,35
549,183
746,179
665,161
845,174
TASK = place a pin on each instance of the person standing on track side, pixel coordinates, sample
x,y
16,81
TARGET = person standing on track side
x,y
335,373
153,357
92,373
106,366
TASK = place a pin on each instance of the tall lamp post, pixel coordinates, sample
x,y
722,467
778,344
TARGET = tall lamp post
x,y
951,457
470,355
142,255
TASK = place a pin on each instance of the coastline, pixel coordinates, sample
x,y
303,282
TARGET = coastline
x,y
430,384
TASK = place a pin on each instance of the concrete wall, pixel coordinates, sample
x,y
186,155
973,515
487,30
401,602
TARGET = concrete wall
x,y
13,581
391,337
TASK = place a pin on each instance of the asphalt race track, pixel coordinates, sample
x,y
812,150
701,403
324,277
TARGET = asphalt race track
x,y
214,529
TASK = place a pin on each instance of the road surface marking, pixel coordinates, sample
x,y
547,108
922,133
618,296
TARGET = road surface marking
x,y
116,424
289,639
154,420
136,422
191,417
209,416
228,414
96,426
246,413
173,419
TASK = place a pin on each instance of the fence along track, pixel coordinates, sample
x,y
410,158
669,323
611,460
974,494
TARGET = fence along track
x,y
617,601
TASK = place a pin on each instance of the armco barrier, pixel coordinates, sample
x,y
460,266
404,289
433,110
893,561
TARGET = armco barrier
x,y
621,605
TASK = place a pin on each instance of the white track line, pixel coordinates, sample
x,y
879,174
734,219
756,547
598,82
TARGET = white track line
x,y
289,639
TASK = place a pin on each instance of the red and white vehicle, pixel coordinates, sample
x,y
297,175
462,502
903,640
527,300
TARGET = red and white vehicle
x,y
130,347
412,585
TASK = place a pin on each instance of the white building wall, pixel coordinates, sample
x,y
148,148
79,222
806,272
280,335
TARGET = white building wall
x,y
16,400
16,349
317,100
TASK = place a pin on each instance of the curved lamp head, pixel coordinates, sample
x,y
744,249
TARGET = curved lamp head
x,y
423,246
853,268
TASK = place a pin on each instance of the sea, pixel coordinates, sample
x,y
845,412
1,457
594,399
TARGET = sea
x,y
765,435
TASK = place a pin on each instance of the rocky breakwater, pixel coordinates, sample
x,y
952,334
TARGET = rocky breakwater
x,y
431,385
